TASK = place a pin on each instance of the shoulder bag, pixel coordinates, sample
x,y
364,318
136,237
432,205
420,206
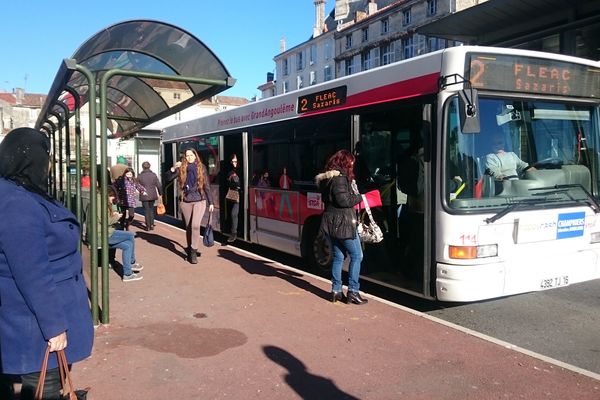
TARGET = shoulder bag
x,y
369,232
208,239
160,207
233,195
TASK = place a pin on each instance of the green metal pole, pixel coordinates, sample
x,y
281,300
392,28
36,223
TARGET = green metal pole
x,y
78,210
92,216
104,199
67,153
60,166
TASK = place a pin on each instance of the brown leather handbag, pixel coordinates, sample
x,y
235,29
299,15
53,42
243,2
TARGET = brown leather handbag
x,y
68,389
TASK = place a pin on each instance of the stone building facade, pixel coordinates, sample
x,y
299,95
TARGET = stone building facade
x,y
359,35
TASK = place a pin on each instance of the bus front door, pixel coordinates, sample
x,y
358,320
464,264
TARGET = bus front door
x,y
389,159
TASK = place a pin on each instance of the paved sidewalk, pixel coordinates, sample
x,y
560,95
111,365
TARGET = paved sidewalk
x,y
236,326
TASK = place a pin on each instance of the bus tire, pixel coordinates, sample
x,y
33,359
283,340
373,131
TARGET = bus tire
x,y
317,248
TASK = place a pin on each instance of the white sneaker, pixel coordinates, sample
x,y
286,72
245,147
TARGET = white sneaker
x,y
137,267
132,277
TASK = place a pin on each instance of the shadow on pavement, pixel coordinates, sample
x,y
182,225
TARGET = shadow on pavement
x,y
307,385
265,268
164,242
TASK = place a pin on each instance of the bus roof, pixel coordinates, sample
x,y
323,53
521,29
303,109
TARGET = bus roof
x,y
405,79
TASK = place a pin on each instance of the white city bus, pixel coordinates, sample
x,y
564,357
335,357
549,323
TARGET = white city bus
x,y
424,131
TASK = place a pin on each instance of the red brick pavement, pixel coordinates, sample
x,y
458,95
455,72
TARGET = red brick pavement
x,y
236,326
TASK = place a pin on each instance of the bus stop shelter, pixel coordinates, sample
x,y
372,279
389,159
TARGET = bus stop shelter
x,y
563,26
119,75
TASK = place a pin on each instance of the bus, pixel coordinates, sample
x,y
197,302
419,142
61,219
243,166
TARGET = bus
x,y
425,132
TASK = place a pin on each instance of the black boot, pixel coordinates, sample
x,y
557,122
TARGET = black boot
x,y
337,296
193,256
354,298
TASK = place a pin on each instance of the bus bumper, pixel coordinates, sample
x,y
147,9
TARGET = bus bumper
x,y
525,274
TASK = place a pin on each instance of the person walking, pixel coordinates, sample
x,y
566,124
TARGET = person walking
x,y
232,199
340,195
149,180
127,185
44,295
193,182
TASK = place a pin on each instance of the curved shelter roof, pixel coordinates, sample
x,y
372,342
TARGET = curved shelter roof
x,y
170,70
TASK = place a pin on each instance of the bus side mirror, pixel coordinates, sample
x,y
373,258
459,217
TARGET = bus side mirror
x,y
468,107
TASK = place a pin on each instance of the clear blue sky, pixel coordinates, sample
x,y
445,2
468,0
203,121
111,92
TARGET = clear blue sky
x,y
244,34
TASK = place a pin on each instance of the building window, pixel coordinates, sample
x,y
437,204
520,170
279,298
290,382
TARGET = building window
x,y
431,7
348,41
387,53
435,44
313,54
365,60
312,78
299,61
299,82
328,49
285,67
365,34
177,96
375,57
385,26
349,66
406,17
408,48
286,87
327,75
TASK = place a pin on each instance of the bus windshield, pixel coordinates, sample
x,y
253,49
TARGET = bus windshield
x,y
529,152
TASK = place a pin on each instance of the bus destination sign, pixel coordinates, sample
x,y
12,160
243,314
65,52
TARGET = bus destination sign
x,y
322,100
532,75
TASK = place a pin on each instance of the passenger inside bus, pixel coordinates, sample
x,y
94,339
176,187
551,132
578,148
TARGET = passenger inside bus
x,y
411,181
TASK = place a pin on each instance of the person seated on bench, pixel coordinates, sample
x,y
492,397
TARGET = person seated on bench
x,y
123,240
502,164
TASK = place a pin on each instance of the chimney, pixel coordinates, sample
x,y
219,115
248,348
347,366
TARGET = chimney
x,y
342,10
270,76
319,17
371,7
282,45
19,95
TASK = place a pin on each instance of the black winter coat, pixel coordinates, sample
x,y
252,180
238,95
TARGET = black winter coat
x,y
339,218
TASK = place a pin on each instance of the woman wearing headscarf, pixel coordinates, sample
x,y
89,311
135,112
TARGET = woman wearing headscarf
x,y
192,179
44,299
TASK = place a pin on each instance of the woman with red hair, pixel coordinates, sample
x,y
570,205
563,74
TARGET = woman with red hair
x,y
340,195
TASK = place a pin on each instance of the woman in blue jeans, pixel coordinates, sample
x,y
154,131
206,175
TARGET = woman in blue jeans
x,y
340,195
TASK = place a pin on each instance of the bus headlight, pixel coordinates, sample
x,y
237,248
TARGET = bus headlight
x,y
595,237
472,252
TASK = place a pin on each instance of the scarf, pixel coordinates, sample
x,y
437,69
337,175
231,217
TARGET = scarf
x,y
24,159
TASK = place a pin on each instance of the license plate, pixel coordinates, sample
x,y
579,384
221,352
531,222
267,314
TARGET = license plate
x,y
557,281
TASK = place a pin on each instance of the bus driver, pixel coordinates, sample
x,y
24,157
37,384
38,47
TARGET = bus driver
x,y
504,165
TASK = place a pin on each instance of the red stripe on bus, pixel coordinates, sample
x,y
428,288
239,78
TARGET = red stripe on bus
x,y
421,85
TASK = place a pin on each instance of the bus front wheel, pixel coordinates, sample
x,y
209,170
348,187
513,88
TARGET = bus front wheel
x,y
321,253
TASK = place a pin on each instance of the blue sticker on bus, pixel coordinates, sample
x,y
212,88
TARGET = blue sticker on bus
x,y
570,225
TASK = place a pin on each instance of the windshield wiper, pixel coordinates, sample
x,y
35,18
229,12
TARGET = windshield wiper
x,y
512,207
592,203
